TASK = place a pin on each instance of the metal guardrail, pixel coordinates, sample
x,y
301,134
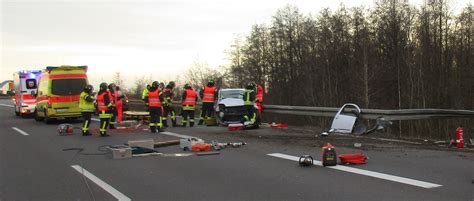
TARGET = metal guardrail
x,y
403,114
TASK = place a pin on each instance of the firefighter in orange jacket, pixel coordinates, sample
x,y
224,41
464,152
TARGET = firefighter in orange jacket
x,y
208,96
104,103
189,105
154,100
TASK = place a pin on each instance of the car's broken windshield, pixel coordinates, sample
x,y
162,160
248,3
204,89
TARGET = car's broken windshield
x,y
232,94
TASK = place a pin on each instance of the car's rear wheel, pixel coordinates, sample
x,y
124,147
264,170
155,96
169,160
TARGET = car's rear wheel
x,y
38,118
47,119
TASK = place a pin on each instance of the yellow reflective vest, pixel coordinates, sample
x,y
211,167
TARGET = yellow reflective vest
x,y
84,105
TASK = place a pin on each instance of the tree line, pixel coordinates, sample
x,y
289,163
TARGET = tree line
x,y
391,56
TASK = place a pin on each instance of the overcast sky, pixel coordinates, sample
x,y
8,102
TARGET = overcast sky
x,y
160,38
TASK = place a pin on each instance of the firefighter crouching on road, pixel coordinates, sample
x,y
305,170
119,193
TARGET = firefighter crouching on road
x,y
104,103
154,100
113,110
250,119
86,104
168,106
208,96
189,105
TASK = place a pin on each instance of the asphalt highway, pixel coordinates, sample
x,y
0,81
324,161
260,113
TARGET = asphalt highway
x,y
33,166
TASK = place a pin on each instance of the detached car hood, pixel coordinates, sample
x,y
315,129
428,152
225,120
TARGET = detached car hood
x,y
231,102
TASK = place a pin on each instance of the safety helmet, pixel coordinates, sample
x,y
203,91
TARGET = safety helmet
x,y
112,87
250,85
89,88
155,84
187,86
210,83
103,86
172,84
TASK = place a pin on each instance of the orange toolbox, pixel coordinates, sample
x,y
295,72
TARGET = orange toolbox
x,y
201,147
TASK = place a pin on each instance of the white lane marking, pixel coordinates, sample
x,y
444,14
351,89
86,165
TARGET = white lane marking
x,y
114,192
365,172
176,134
20,131
95,119
6,105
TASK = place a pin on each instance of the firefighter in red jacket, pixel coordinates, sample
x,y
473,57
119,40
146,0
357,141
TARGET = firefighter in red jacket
x,y
154,100
113,110
208,96
104,103
259,98
189,100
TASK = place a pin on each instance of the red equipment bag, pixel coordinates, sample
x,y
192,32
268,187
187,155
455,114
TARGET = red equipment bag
x,y
201,147
235,127
279,125
357,158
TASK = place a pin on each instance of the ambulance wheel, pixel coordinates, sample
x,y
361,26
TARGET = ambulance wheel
x,y
38,118
47,119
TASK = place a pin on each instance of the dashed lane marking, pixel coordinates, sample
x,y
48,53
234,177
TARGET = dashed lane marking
x,y
5,105
398,179
114,192
20,131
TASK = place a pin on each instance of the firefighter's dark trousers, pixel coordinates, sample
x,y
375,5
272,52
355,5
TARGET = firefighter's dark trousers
x,y
207,111
86,122
104,122
155,119
188,114
169,111
113,118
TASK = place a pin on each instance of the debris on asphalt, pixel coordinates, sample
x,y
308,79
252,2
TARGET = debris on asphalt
x,y
306,160
357,145
275,125
119,152
65,129
208,153
328,154
142,150
166,143
357,158
148,143
235,127
187,143
201,147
